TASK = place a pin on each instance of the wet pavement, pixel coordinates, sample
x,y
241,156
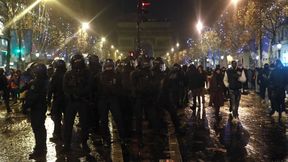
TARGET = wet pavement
x,y
255,137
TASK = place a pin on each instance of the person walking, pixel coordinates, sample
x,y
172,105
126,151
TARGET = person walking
x,y
277,83
217,91
233,79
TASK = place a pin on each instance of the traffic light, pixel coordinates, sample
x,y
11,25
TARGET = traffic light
x,y
17,51
143,6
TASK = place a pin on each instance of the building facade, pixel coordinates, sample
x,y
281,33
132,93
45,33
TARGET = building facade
x,y
156,37
280,49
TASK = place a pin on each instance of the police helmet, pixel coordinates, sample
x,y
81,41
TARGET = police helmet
x,y
77,61
158,62
59,64
108,65
39,70
176,66
144,62
92,59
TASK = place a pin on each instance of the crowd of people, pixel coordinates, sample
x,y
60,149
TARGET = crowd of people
x,y
130,89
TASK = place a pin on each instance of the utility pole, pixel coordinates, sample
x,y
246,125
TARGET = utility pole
x,y
142,9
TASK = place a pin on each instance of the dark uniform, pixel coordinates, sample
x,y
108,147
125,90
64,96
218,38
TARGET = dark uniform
x,y
76,88
56,91
145,98
126,99
169,96
36,100
4,90
109,86
95,68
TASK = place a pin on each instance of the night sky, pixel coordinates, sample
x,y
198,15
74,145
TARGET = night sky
x,y
183,13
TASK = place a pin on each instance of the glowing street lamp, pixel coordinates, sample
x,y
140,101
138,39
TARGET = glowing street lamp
x,y
229,58
37,55
279,46
172,49
112,47
103,39
167,54
235,2
85,26
199,26
177,45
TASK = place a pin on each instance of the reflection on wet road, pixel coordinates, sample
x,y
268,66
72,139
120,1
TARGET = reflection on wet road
x,y
255,137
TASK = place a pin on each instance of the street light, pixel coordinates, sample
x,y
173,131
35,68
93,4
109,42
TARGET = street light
x,y
229,58
172,49
85,26
177,45
103,39
112,46
279,46
199,26
235,2
37,55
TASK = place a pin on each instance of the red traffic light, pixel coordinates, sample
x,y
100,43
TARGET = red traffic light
x,y
146,4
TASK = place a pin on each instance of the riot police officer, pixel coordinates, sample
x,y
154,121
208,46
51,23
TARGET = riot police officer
x,y
95,69
126,100
109,86
76,88
169,96
56,91
145,97
36,100
157,76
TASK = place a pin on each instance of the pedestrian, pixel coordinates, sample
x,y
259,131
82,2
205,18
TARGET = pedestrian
x,y
209,77
76,88
277,83
193,80
233,79
217,91
263,81
202,81
14,86
36,101
168,101
56,92
4,91
25,79
226,90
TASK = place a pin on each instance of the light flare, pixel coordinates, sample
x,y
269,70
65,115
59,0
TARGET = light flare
x,y
22,14
199,26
